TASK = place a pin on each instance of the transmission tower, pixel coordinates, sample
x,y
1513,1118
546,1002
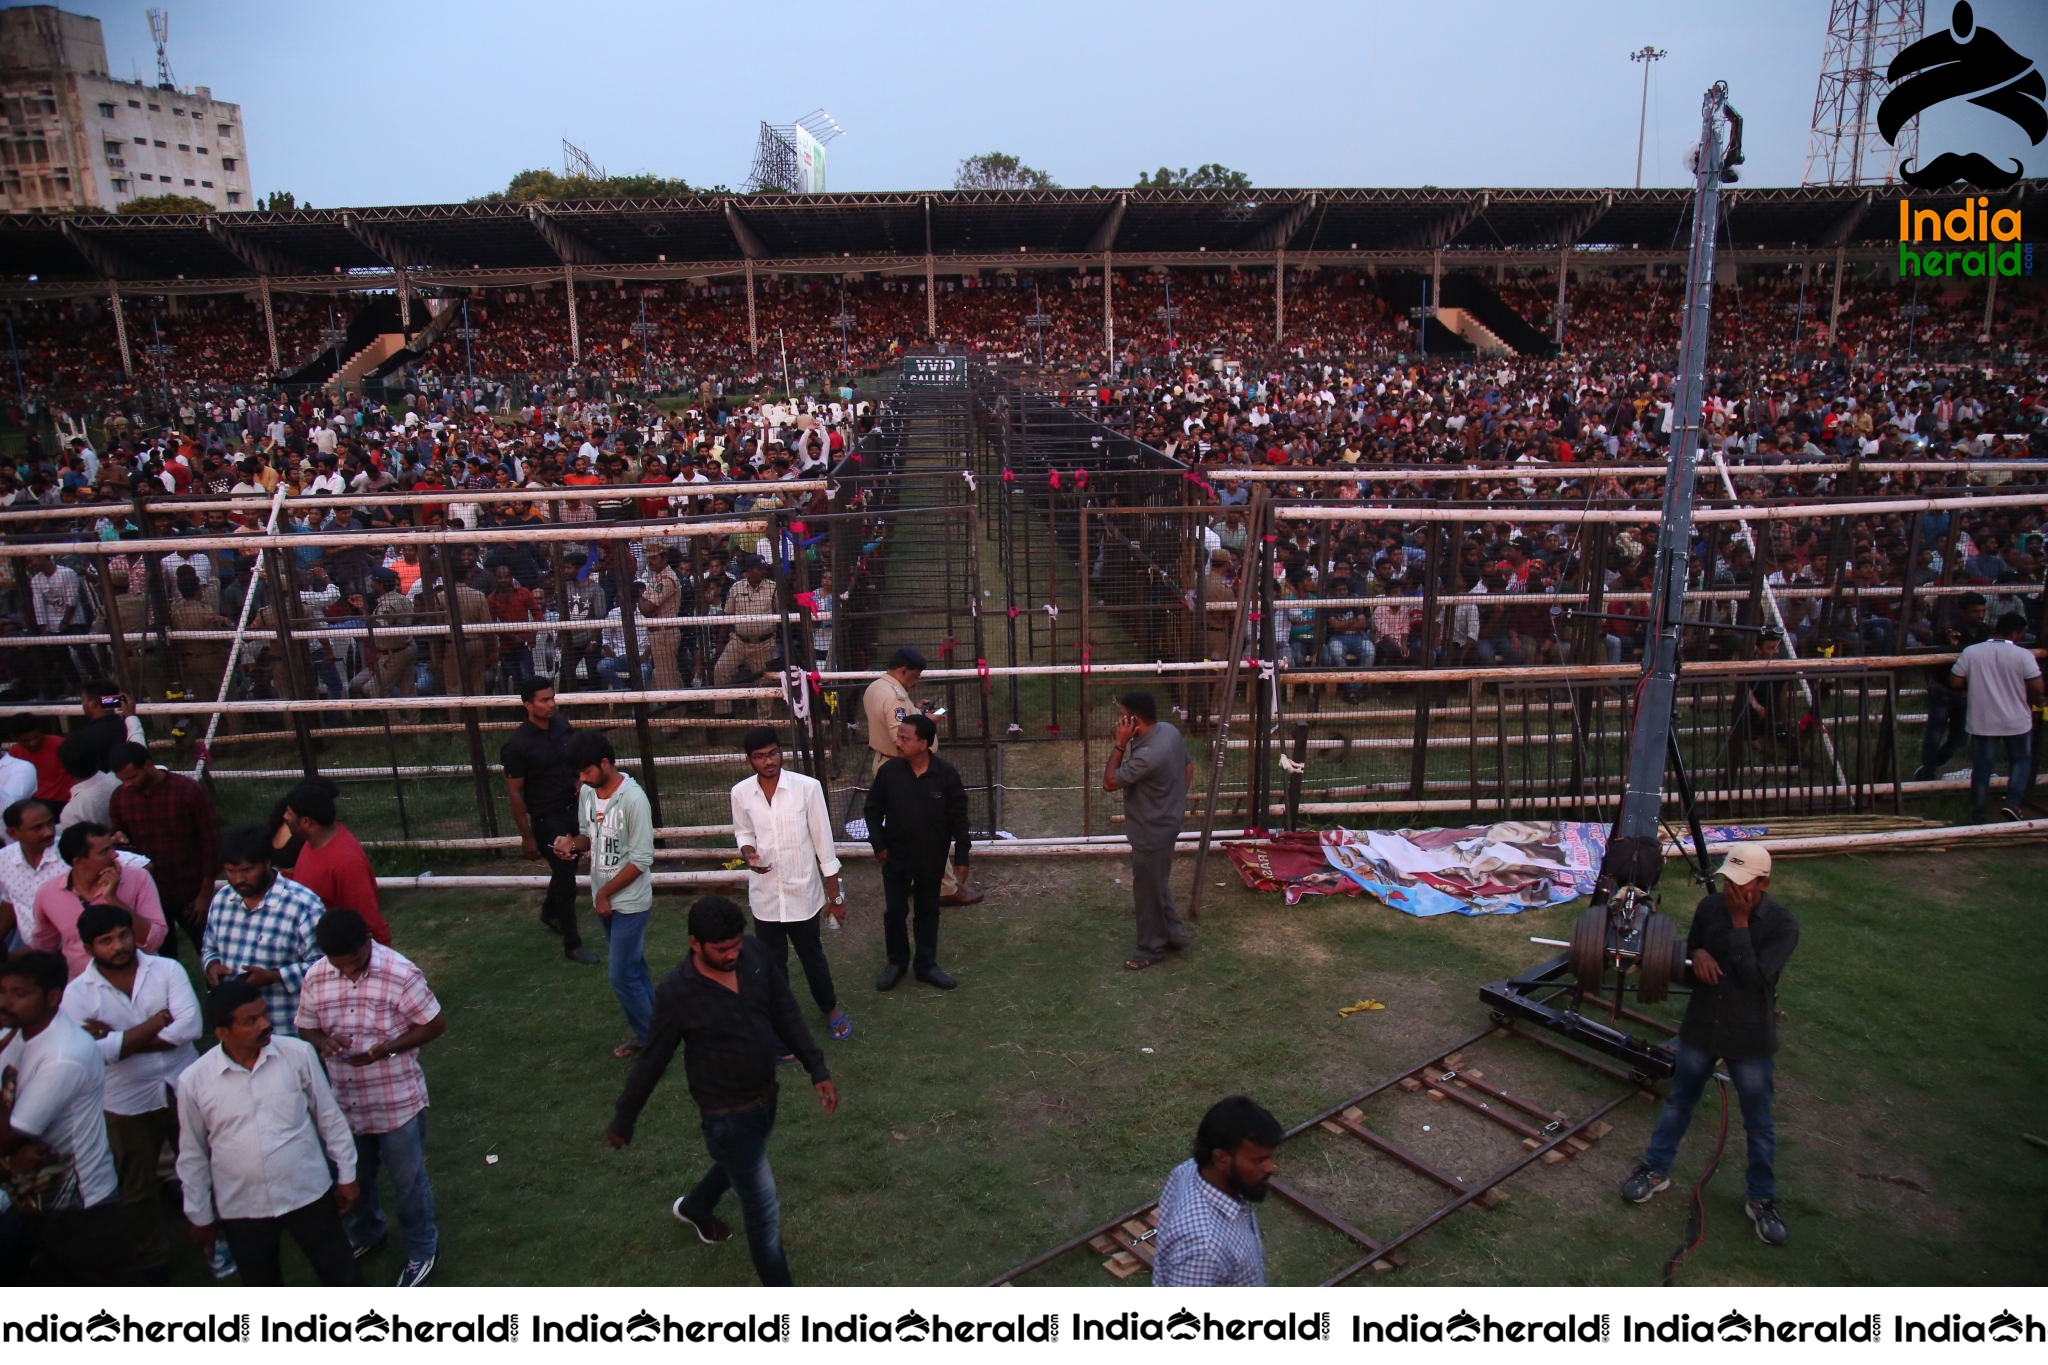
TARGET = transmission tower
x,y
160,33
1845,147
577,162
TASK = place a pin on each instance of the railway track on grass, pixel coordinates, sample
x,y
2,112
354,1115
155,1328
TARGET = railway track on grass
x,y
1455,1077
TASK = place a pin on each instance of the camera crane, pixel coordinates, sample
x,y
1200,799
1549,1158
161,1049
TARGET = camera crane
x,y
1624,933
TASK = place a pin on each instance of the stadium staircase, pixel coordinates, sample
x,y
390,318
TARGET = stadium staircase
x,y
374,319
446,313
1478,301
1403,290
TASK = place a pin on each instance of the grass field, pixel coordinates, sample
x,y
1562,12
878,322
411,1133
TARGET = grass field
x,y
1052,1091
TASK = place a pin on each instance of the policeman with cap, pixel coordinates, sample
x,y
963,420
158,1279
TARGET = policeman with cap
x,y
1739,944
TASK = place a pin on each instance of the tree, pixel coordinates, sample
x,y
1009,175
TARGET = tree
x,y
166,203
1000,171
544,186
281,201
1206,177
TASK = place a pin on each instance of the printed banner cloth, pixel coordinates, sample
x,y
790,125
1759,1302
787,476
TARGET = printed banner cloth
x,y
1499,869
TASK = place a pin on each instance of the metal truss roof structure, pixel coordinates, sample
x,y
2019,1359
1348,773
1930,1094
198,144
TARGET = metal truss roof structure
x,y
476,245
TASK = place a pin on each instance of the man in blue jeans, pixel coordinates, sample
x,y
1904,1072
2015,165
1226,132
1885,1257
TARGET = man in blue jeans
x,y
618,834
1739,944
2000,683
368,1011
732,1012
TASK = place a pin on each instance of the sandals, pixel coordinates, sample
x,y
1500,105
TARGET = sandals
x,y
838,1026
1139,964
629,1048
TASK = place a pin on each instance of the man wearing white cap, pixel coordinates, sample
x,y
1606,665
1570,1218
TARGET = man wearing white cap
x,y
1739,944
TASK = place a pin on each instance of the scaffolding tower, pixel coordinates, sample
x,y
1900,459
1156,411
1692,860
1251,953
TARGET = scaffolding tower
x,y
1845,147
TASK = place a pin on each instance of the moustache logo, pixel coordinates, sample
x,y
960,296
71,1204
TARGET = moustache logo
x,y
1969,167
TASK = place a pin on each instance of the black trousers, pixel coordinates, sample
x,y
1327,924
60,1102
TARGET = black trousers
x,y
558,906
903,886
83,1246
777,936
317,1229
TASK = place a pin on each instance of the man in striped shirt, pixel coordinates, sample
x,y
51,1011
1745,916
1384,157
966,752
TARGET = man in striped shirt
x,y
1208,1228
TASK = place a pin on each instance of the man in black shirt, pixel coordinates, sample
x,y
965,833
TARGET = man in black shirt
x,y
732,1013
917,816
542,789
1740,942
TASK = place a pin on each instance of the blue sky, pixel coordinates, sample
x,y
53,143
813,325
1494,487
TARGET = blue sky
x,y
373,102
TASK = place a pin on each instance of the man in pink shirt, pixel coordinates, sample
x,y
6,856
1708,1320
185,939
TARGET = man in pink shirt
x,y
332,865
98,876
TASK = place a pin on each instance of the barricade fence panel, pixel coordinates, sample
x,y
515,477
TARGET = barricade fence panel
x,y
1430,656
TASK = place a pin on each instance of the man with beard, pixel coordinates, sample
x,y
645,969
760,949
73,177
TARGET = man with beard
x,y
259,929
141,1011
1208,1229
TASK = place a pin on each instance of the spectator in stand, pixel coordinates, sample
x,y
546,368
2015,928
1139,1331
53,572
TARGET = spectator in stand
x,y
141,1011
264,1151
96,874
367,1011
259,929
55,1119
331,863
168,818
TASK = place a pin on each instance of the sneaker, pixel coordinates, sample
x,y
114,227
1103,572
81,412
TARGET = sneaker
x,y
415,1273
2011,812
361,1249
1923,773
222,1261
1643,1182
1770,1229
710,1229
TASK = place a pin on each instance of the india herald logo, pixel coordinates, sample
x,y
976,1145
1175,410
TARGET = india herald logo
x,y
1964,61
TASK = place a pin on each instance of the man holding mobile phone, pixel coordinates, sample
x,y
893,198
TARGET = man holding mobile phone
x,y
259,928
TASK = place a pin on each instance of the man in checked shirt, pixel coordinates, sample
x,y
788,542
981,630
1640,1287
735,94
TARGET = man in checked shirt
x,y
368,1011
1208,1228
259,928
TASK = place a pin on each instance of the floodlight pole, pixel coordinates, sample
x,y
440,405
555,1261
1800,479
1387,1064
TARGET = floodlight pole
x,y
1646,55
14,354
1914,311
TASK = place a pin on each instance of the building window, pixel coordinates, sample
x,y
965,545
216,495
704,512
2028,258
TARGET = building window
x,y
177,113
154,108
120,187
234,197
227,130
228,163
206,184
134,104
113,147
147,176
106,109
184,147
200,150
188,181
159,142
142,142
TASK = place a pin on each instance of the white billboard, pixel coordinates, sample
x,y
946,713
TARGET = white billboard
x,y
810,161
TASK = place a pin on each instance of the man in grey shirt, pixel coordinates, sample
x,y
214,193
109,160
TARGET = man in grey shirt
x,y
1149,764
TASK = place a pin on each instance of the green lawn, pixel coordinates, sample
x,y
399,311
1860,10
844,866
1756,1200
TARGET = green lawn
x,y
1053,1090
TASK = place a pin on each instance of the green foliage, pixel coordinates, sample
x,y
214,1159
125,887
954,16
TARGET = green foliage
x,y
1000,171
544,186
166,203
281,201
1209,176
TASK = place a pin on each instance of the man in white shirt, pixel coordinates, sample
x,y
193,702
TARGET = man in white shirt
x,y
2001,681
29,860
17,781
140,1010
785,838
258,1129
55,1076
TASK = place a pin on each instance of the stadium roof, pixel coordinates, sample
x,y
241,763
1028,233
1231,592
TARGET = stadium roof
x,y
483,244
